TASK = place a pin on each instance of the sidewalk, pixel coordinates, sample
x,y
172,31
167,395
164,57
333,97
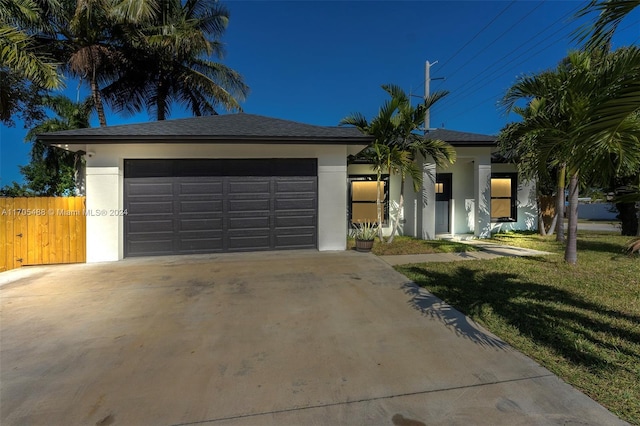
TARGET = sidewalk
x,y
487,251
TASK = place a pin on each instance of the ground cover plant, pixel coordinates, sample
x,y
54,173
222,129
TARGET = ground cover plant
x,y
582,322
409,245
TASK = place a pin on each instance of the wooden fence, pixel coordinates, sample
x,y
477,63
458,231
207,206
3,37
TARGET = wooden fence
x,y
42,231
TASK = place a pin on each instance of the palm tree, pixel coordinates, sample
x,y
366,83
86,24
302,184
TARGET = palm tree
x,y
583,120
409,138
522,143
397,143
86,47
610,15
53,171
167,62
378,154
24,59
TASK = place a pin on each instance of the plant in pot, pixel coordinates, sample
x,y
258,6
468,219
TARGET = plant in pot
x,y
364,233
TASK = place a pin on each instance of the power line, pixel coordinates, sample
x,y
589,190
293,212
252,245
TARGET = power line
x,y
472,39
475,82
497,38
477,34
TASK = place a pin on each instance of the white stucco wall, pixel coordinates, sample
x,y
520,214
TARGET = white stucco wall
x,y
105,180
462,202
104,186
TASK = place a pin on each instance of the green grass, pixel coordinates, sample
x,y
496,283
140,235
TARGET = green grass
x,y
581,322
409,245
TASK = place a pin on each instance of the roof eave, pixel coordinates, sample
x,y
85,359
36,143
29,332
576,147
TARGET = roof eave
x,y
168,139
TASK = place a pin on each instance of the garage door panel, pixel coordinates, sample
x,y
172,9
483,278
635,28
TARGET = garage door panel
x,y
149,208
200,243
187,213
151,225
249,241
250,206
208,189
151,248
248,186
150,188
201,224
308,220
295,204
295,185
200,206
295,238
250,223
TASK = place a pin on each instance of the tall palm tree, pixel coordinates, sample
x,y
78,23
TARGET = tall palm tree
x,y
88,47
379,153
522,143
584,120
168,62
409,137
397,142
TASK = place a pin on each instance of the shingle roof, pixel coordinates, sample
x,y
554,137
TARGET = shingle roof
x,y
216,128
457,138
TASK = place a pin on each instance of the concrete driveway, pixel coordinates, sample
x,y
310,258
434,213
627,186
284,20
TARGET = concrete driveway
x,y
279,338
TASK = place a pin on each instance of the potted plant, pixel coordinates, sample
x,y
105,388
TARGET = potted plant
x,y
364,234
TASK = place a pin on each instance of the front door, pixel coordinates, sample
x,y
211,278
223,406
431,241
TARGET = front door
x,y
443,203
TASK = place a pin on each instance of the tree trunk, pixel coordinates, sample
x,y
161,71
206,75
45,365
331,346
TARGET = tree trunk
x,y
161,101
638,215
571,249
541,229
628,218
562,172
379,205
400,206
97,100
553,225
547,215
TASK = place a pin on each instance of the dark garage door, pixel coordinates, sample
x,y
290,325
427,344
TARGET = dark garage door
x,y
208,206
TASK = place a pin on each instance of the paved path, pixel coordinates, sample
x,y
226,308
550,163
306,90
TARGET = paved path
x,y
487,251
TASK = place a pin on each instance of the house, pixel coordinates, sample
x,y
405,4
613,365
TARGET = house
x,y
480,194
244,182
236,182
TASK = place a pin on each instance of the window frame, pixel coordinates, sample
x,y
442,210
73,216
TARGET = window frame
x,y
369,178
513,197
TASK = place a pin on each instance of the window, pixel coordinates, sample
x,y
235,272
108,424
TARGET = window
x,y
503,197
362,192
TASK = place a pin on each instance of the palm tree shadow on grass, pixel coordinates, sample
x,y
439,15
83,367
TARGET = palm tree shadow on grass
x,y
552,317
585,244
434,308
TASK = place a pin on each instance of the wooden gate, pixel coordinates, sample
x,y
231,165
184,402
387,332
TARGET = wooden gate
x,y
42,231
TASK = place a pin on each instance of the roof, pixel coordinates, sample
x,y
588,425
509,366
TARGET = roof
x,y
457,138
247,128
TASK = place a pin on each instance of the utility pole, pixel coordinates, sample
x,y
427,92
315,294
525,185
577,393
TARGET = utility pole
x,y
427,93
427,81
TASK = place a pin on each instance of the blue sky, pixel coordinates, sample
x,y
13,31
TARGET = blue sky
x,y
317,61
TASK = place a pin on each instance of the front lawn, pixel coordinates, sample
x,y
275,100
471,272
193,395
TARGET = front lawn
x,y
581,322
409,245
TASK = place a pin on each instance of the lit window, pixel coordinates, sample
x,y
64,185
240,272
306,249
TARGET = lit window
x,y
439,188
503,197
363,205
